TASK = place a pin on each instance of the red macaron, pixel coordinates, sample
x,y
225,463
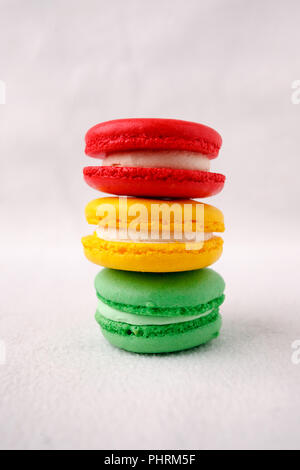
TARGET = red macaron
x,y
154,158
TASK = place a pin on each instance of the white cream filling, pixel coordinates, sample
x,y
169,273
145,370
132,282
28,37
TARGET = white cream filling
x,y
177,159
132,319
127,236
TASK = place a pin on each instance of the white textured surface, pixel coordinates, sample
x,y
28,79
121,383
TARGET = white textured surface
x,y
68,65
64,387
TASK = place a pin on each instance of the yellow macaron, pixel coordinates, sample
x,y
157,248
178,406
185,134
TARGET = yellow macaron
x,y
148,235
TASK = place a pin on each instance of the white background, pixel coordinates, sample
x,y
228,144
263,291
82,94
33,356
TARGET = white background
x,y
70,64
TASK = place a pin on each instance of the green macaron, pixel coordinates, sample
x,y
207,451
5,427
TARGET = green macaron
x,y
159,313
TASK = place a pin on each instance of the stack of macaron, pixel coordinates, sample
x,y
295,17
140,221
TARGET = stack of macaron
x,y
156,293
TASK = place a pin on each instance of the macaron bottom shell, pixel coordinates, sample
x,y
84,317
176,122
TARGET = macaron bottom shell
x,y
153,339
151,257
154,182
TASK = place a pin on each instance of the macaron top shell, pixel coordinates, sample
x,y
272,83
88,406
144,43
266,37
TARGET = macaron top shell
x,y
159,291
151,134
97,213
